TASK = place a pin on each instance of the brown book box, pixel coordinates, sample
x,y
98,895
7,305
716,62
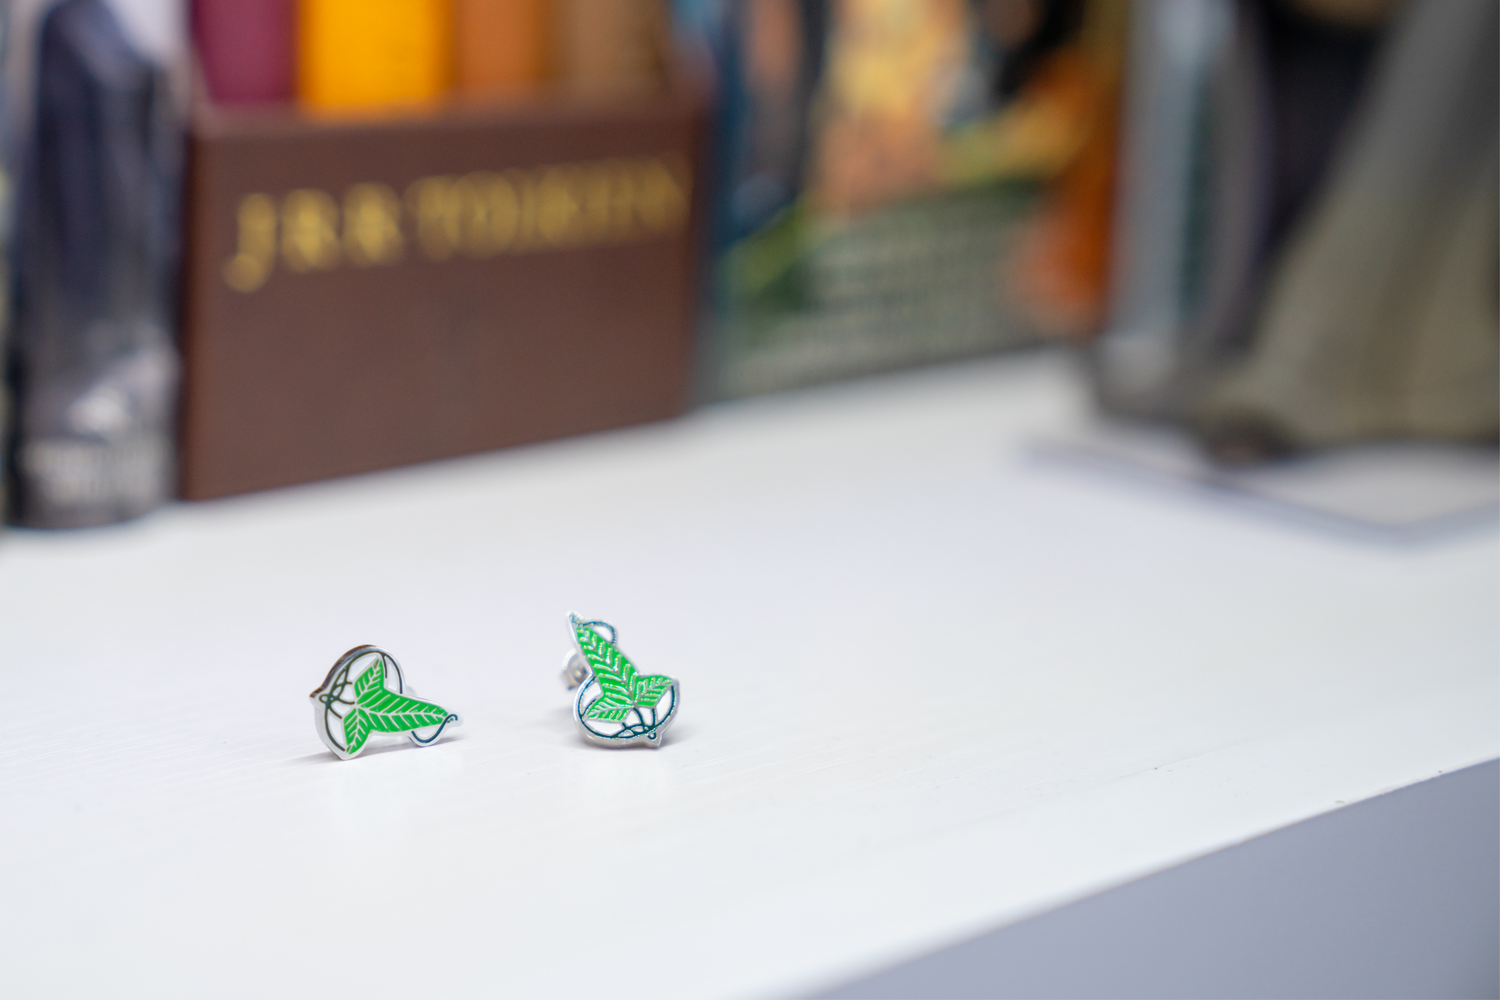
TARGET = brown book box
x,y
361,295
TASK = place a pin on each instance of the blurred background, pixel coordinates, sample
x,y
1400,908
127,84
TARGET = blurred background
x,y
254,243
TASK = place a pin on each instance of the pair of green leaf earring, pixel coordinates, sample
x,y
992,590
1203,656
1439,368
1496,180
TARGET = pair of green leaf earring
x,y
365,694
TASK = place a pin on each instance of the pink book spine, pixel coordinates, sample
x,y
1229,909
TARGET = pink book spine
x,y
245,48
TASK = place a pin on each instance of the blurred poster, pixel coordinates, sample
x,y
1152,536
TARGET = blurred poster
x,y
905,182
1307,224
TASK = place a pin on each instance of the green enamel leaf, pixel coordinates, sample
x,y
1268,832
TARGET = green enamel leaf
x,y
372,679
615,693
622,687
608,713
611,667
383,711
394,713
615,697
649,690
356,730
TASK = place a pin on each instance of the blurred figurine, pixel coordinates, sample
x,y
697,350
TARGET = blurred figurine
x,y
1308,239
1380,317
91,363
7,199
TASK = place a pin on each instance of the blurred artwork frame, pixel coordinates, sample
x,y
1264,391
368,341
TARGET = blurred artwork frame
x,y
907,183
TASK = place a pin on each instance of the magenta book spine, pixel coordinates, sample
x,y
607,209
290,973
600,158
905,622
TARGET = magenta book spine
x,y
246,49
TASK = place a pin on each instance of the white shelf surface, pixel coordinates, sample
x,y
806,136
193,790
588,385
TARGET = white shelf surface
x,y
930,686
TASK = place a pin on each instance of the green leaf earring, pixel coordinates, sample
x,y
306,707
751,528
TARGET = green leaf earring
x,y
365,695
616,705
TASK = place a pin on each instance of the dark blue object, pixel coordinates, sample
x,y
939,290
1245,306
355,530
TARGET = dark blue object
x,y
92,363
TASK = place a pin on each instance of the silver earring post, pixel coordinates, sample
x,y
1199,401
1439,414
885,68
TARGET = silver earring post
x,y
575,670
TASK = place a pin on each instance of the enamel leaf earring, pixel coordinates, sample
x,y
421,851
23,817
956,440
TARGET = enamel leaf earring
x,y
365,696
616,705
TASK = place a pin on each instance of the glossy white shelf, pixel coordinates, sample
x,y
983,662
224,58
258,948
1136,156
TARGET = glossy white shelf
x,y
930,686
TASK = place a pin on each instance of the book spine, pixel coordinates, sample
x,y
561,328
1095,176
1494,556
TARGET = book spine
x,y
366,55
245,49
610,48
502,46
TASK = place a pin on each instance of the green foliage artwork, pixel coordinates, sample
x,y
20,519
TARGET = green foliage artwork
x,y
373,708
626,696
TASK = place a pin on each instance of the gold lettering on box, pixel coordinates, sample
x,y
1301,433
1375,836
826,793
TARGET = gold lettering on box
x,y
429,201
597,181
309,230
619,201
477,215
557,210
661,200
255,252
505,212
472,202
524,184
372,225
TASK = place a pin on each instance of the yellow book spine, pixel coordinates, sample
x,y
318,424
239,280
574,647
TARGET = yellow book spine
x,y
370,55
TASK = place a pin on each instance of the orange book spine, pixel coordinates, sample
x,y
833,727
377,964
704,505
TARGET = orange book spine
x,y
366,55
502,46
